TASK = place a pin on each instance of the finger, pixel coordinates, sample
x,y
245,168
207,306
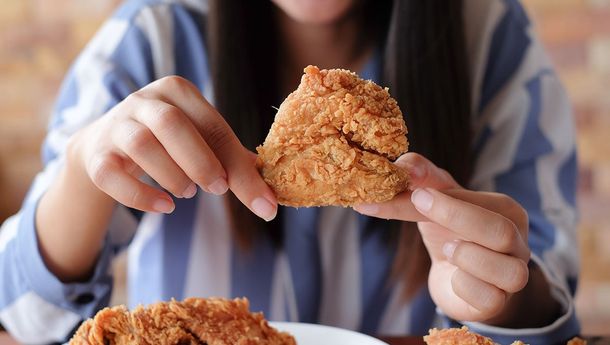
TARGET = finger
x,y
507,273
485,298
423,173
399,208
248,186
239,163
141,146
182,94
471,222
108,175
184,143
496,202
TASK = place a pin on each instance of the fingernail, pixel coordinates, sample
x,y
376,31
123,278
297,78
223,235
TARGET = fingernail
x,y
422,200
367,208
219,186
264,209
449,249
190,191
163,206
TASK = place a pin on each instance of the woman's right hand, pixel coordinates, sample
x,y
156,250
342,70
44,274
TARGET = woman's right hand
x,y
170,132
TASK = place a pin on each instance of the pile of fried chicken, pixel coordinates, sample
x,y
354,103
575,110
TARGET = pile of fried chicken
x,y
333,141
216,321
194,321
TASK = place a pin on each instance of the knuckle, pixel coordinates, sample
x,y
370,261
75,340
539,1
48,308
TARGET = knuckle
x,y
135,97
521,217
425,173
505,201
135,198
451,215
167,117
174,83
513,210
444,174
518,276
493,300
505,235
100,170
138,140
420,160
217,136
510,204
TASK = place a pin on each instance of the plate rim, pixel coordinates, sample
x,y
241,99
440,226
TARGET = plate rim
x,y
333,328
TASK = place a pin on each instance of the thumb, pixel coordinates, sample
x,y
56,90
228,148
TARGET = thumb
x,y
424,174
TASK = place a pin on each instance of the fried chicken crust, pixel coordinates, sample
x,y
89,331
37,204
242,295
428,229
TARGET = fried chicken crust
x,y
462,336
577,341
456,336
332,142
200,321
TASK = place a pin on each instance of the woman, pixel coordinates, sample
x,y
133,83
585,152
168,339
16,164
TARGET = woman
x,y
481,102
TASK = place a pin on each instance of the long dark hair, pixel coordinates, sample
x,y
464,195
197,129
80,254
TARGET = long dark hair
x,y
424,65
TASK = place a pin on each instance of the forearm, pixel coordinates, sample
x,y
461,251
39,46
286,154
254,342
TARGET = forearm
x,y
71,222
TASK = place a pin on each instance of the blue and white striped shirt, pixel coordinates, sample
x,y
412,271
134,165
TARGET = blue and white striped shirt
x,y
329,270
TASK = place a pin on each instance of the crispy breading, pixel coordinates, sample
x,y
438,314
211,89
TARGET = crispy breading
x,y
210,321
577,341
462,336
456,336
332,142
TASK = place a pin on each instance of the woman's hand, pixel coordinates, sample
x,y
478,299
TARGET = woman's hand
x,y
477,241
168,131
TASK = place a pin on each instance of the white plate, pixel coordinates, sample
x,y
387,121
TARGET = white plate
x,y
310,334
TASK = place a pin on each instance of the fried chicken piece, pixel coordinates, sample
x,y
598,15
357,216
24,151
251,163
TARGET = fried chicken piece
x,y
332,143
194,321
456,336
462,336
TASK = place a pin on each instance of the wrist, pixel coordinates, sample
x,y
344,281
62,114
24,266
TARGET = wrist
x,y
71,219
74,169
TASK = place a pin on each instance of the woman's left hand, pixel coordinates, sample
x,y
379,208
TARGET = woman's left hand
x,y
477,241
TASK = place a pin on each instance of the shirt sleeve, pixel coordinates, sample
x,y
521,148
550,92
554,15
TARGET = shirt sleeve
x,y
525,148
36,307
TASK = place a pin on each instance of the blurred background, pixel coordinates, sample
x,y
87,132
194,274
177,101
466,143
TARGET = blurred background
x,y
40,38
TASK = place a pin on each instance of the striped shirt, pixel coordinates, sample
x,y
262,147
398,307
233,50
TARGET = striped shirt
x,y
329,269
